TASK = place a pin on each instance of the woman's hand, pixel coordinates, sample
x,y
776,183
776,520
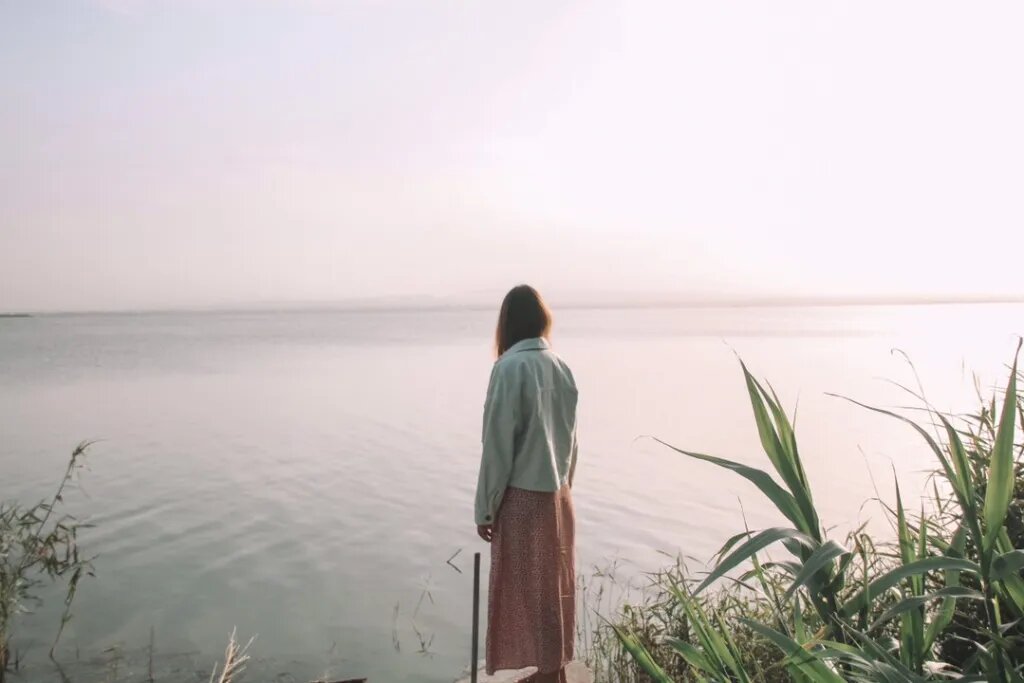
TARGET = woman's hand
x,y
486,532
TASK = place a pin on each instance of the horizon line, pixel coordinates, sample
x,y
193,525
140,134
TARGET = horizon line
x,y
433,303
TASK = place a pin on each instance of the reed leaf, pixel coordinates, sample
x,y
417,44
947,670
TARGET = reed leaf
x,y
799,660
916,601
1000,483
640,655
786,462
691,654
782,499
1007,564
753,545
893,577
821,558
944,617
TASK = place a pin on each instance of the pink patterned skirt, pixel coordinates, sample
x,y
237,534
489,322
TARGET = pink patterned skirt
x,y
531,612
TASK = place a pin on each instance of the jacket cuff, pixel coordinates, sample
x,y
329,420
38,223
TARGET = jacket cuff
x,y
483,519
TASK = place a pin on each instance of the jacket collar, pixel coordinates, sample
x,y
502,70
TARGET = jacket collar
x,y
535,344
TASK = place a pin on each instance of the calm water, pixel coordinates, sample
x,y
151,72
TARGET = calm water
x,y
304,476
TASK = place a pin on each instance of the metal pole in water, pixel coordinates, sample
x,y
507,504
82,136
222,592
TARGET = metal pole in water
x,y
476,618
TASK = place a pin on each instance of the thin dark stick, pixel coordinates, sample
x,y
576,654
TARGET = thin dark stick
x,y
476,618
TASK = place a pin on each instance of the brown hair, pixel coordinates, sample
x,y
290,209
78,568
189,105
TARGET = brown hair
x,y
524,315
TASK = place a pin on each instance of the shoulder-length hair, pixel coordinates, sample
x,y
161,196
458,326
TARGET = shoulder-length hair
x,y
524,315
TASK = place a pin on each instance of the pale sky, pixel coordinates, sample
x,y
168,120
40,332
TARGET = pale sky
x,y
157,154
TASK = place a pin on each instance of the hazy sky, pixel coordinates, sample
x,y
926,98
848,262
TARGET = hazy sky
x,y
199,153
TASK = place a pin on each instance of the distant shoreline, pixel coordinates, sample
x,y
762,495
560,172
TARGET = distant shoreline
x,y
427,306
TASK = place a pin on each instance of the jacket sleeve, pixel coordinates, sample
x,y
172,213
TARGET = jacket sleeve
x,y
574,456
501,415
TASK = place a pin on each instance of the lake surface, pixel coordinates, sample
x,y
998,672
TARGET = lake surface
x,y
305,475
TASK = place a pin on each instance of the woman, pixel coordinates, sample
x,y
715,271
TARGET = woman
x,y
523,505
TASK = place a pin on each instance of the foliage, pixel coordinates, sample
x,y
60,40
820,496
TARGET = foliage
x,y
945,599
661,624
38,546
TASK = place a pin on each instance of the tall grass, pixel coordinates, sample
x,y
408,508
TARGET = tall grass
x,y
38,545
944,599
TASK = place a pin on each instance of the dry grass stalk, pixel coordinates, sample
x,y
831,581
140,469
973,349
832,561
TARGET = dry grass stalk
x,y
235,659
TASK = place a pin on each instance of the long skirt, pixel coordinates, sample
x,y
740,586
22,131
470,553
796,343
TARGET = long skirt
x,y
531,614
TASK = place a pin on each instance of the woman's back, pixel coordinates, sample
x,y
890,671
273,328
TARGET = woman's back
x,y
542,385
524,504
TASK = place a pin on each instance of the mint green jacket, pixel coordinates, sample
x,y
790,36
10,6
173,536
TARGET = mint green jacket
x,y
529,430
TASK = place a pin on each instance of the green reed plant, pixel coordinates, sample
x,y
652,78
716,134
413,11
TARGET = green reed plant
x,y
982,486
38,546
654,620
859,610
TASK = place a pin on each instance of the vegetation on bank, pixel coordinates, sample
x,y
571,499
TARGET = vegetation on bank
x,y
38,546
943,600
